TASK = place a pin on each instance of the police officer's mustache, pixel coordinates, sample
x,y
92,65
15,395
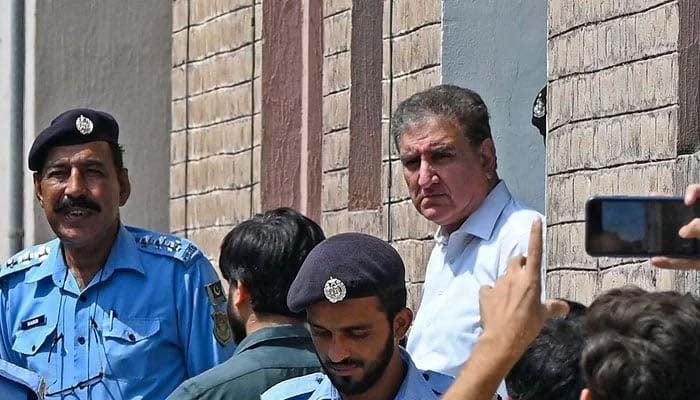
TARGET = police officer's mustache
x,y
68,203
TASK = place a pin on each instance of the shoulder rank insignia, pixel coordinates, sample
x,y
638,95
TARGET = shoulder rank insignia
x,y
167,245
222,329
24,259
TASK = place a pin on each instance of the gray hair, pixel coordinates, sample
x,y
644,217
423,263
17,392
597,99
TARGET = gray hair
x,y
451,102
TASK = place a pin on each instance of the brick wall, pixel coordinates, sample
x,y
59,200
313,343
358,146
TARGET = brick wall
x,y
216,135
412,53
614,128
215,143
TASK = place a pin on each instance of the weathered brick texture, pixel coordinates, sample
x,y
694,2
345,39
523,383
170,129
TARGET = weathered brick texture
x,y
216,129
215,139
613,117
411,62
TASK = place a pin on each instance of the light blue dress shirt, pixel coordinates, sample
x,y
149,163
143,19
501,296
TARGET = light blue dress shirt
x,y
144,324
417,385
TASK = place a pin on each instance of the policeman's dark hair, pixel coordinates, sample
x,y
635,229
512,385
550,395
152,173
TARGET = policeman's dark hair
x,y
454,103
117,155
549,368
265,253
643,346
392,300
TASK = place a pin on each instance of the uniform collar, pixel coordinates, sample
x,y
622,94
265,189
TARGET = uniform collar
x,y
414,385
482,221
272,333
124,255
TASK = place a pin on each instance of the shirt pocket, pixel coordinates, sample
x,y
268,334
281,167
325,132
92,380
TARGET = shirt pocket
x,y
130,344
35,345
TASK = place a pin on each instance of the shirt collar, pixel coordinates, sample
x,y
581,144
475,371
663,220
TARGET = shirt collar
x,y
272,333
414,385
124,255
482,221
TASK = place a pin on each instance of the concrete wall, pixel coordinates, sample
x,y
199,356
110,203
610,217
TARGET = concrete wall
x,y
5,60
498,48
614,128
115,56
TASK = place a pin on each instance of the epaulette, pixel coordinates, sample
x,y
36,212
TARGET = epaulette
x,y
438,382
24,259
166,245
294,389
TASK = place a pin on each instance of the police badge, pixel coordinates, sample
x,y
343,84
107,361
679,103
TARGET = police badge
x,y
222,329
84,125
334,290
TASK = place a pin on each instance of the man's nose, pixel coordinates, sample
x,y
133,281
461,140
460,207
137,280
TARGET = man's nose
x,y
338,351
426,174
76,184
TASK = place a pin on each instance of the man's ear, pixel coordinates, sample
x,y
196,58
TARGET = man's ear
x,y
37,188
241,294
487,153
586,395
124,186
402,321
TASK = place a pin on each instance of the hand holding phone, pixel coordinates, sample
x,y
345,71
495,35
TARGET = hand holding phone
x,y
623,226
688,231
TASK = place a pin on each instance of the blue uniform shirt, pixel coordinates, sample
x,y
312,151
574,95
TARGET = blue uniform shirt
x,y
17,383
417,385
151,318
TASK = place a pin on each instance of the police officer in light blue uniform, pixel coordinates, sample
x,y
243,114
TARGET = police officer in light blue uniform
x,y
353,290
105,311
17,383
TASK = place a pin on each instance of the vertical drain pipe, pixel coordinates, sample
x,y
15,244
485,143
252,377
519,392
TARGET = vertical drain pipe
x,y
16,192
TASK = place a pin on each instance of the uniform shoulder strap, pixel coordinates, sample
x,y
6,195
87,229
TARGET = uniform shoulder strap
x,y
299,388
165,244
438,382
25,259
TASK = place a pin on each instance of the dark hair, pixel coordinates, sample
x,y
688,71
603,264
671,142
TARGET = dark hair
x,y
117,155
642,346
392,300
463,106
549,369
265,253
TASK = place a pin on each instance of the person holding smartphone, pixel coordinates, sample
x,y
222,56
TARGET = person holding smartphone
x,y
688,231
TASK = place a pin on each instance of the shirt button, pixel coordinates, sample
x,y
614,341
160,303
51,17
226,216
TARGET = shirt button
x,y
82,298
132,337
81,340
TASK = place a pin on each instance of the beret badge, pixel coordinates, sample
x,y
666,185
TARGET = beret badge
x,y
334,290
84,125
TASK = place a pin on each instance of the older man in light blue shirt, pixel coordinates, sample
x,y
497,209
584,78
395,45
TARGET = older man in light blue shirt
x,y
449,164
105,311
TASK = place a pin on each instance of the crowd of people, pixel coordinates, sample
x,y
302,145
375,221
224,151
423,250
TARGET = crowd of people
x,y
109,311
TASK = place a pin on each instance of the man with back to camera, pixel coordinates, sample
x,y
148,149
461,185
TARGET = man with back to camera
x,y
353,290
549,369
642,345
449,164
105,311
260,258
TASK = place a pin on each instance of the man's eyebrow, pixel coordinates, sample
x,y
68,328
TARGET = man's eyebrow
x,y
343,328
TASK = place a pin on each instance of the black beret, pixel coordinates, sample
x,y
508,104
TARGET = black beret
x,y
346,266
78,126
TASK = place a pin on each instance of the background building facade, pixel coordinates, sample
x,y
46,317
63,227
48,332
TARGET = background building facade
x,y
231,107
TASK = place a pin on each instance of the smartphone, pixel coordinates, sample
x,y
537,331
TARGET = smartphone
x,y
626,226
